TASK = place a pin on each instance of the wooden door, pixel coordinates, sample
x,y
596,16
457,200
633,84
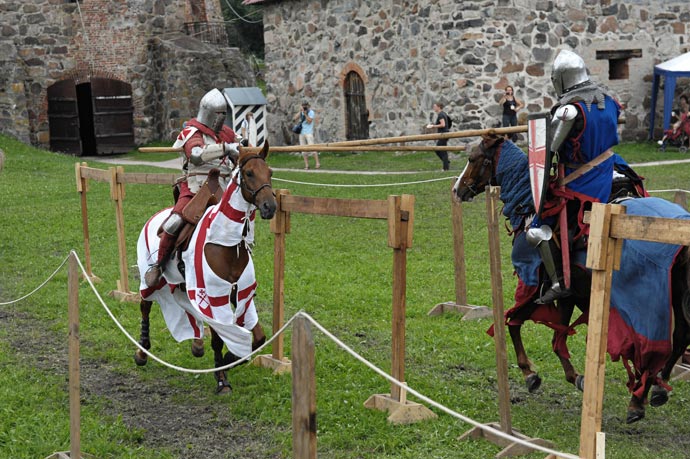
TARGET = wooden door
x,y
356,113
63,117
113,115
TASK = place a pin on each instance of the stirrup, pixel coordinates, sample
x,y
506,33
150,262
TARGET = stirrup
x,y
153,275
553,294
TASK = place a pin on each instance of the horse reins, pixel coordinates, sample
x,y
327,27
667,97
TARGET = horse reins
x,y
243,185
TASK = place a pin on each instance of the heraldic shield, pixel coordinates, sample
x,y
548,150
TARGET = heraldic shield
x,y
539,157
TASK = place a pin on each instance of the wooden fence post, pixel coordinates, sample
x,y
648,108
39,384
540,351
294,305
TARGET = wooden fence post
x,y
73,363
117,194
603,256
509,448
460,305
303,391
82,189
280,226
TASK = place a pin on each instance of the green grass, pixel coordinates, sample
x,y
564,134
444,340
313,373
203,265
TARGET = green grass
x,y
339,270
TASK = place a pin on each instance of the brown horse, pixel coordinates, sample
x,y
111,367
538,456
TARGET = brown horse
x,y
211,282
489,164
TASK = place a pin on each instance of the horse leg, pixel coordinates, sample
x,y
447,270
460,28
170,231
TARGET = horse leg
x,y
560,348
140,357
198,347
222,384
258,337
636,405
532,379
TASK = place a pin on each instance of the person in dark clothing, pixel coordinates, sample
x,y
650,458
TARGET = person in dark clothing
x,y
511,105
443,125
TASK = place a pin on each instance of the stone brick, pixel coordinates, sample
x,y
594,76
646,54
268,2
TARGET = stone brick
x,y
535,70
512,67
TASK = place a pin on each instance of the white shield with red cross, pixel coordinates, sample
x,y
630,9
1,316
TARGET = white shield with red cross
x,y
539,158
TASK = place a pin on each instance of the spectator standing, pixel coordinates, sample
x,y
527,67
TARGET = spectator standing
x,y
511,105
306,136
443,125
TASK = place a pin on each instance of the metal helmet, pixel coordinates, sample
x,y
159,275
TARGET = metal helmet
x,y
212,110
569,70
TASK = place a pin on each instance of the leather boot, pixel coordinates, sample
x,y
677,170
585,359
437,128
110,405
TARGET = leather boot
x,y
153,275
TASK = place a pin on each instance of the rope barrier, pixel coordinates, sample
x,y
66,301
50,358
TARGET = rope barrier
x,y
338,342
673,190
446,410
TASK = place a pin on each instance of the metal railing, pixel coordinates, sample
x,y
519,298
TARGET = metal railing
x,y
208,32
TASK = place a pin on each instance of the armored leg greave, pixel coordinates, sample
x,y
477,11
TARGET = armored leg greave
x,y
542,239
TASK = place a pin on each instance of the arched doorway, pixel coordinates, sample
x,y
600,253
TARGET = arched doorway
x,y
356,113
94,117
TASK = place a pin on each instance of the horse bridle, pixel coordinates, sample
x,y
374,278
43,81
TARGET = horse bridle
x,y
243,182
487,161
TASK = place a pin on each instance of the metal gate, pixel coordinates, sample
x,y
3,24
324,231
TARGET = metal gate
x,y
356,113
95,117
63,117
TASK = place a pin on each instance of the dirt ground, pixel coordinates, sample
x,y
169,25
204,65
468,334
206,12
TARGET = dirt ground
x,y
180,427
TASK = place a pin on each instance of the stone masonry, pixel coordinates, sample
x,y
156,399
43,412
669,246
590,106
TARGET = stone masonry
x,y
138,42
463,53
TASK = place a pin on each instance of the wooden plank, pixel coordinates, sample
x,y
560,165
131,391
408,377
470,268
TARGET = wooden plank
x,y
100,175
117,192
145,178
407,214
492,197
459,252
655,229
597,328
303,391
396,230
359,208
73,364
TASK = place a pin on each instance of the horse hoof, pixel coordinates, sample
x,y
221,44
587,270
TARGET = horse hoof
x,y
533,382
198,348
580,383
140,358
223,388
634,415
659,396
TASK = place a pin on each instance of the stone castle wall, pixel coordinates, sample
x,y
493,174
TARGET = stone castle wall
x,y
461,52
140,42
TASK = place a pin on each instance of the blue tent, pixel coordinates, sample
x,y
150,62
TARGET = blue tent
x,y
670,70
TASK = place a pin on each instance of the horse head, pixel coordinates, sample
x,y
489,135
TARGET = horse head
x,y
480,169
255,180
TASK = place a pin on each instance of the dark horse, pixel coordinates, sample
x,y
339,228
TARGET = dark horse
x,y
502,163
211,279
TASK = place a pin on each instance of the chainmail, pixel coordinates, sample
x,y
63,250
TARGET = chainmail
x,y
588,93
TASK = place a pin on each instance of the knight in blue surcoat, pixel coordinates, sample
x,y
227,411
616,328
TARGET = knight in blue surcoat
x,y
584,127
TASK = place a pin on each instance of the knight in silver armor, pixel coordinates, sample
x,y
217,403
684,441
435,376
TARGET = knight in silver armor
x,y
206,143
583,130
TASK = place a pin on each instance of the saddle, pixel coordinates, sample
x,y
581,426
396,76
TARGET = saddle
x,y
208,195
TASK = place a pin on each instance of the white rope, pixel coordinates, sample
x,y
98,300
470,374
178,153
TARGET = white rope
x,y
40,286
668,191
446,410
333,185
157,359
402,386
